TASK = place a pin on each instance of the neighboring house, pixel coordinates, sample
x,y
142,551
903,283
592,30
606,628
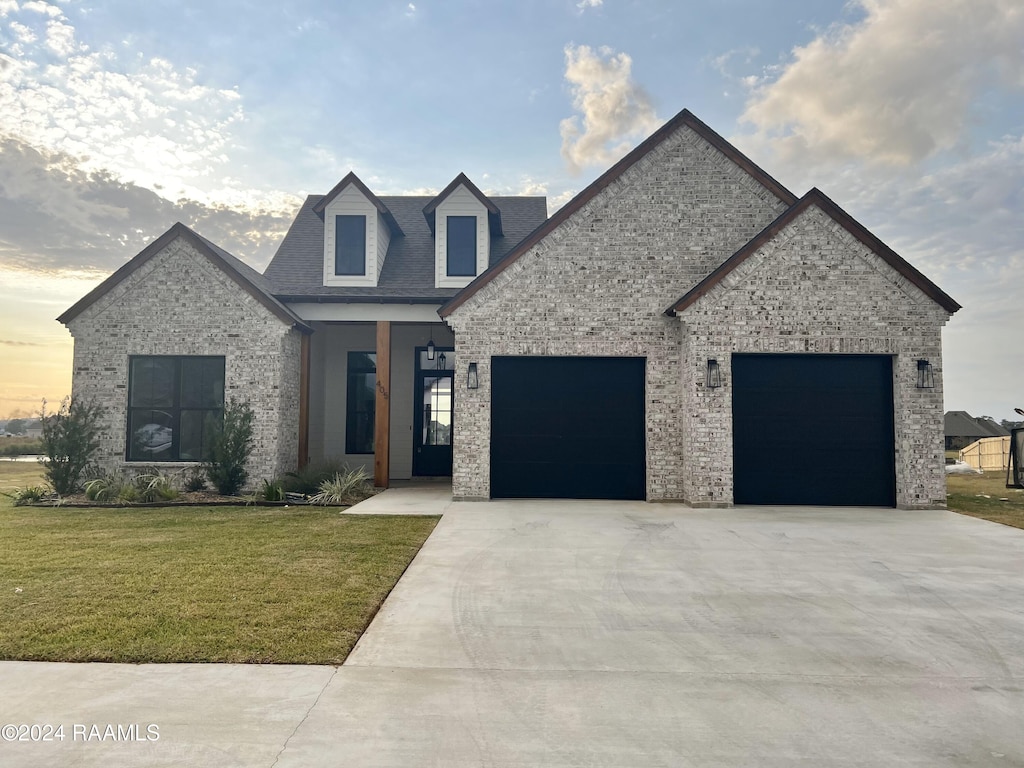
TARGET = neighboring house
x,y
34,429
684,329
962,429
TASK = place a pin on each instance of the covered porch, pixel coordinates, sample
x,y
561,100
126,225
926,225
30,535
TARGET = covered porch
x,y
379,394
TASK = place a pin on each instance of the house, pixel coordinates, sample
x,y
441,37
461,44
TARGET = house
x,y
962,429
643,342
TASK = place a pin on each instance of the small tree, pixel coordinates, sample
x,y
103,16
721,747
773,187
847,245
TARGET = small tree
x,y
230,449
70,439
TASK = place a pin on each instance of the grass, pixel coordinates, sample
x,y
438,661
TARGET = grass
x,y
193,584
18,474
967,495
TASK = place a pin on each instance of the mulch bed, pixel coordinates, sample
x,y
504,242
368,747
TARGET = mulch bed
x,y
184,499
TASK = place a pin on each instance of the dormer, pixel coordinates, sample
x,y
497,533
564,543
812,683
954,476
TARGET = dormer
x,y
463,221
358,228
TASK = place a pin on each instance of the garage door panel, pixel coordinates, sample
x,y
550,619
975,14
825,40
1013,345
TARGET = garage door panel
x,y
567,427
813,429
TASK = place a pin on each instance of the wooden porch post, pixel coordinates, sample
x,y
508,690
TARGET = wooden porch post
x,y
304,401
382,417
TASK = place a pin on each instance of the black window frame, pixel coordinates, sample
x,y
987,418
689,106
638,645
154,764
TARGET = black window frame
x,y
357,418
174,411
348,253
461,248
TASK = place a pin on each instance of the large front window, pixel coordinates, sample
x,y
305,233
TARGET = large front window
x,y
175,407
361,402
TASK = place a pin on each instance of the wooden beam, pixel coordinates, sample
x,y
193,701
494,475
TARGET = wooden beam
x,y
304,401
382,417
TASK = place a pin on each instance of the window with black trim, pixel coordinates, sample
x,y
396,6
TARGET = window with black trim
x,y
175,407
461,246
349,245
361,402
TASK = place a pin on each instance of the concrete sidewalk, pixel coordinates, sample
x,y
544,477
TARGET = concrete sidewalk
x,y
608,633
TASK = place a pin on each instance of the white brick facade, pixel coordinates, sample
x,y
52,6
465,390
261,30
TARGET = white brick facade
x,y
599,283
179,303
814,288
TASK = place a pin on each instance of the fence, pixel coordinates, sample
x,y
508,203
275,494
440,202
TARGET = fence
x,y
989,453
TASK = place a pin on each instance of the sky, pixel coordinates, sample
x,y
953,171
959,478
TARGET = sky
x,y
119,118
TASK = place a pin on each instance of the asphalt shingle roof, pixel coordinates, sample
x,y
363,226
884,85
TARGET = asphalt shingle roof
x,y
297,269
962,424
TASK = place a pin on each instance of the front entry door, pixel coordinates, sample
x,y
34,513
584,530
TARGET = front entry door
x,y
434,393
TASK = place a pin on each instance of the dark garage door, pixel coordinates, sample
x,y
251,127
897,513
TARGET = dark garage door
x,y
813,429
567,427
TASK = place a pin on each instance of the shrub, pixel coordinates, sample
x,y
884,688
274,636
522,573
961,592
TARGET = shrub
x,y
308,480
20,446
272,490
30,495
105,488
344,488
155,487
231,448
70,439
194,481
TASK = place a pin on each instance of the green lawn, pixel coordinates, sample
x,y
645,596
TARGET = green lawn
x,y
981,496
190,584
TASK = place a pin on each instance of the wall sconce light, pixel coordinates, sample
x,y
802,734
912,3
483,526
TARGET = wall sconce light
x,y
713,377
430,347
472,377
925,375
442,362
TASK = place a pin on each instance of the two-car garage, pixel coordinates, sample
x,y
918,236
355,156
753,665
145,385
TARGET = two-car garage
x,y
807,429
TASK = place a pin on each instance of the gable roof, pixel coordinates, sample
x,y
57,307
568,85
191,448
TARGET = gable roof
x,y
355,181
686,118
493,213
251,281
962,424
816,198
296,273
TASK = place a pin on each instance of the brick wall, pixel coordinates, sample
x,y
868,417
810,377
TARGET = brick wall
x,y
599,285
814,288
179,303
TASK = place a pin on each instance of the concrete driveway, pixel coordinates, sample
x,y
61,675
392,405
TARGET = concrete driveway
x,y
604,633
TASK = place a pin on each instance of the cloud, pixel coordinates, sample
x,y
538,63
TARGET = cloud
x,y
895,87
10,343
23,33
60,38
584,4
37,6
615,111
142,120
55,214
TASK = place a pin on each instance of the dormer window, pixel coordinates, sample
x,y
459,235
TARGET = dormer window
x,y
349,245
461,244
463,221
358,229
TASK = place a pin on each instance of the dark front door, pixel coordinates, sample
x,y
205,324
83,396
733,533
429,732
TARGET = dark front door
x,y
568,427
434,402
813,429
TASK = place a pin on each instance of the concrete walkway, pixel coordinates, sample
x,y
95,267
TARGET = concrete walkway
x,y
601,633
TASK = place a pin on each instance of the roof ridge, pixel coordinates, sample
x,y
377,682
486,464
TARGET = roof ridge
x,y
223,259
684,117
815,197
